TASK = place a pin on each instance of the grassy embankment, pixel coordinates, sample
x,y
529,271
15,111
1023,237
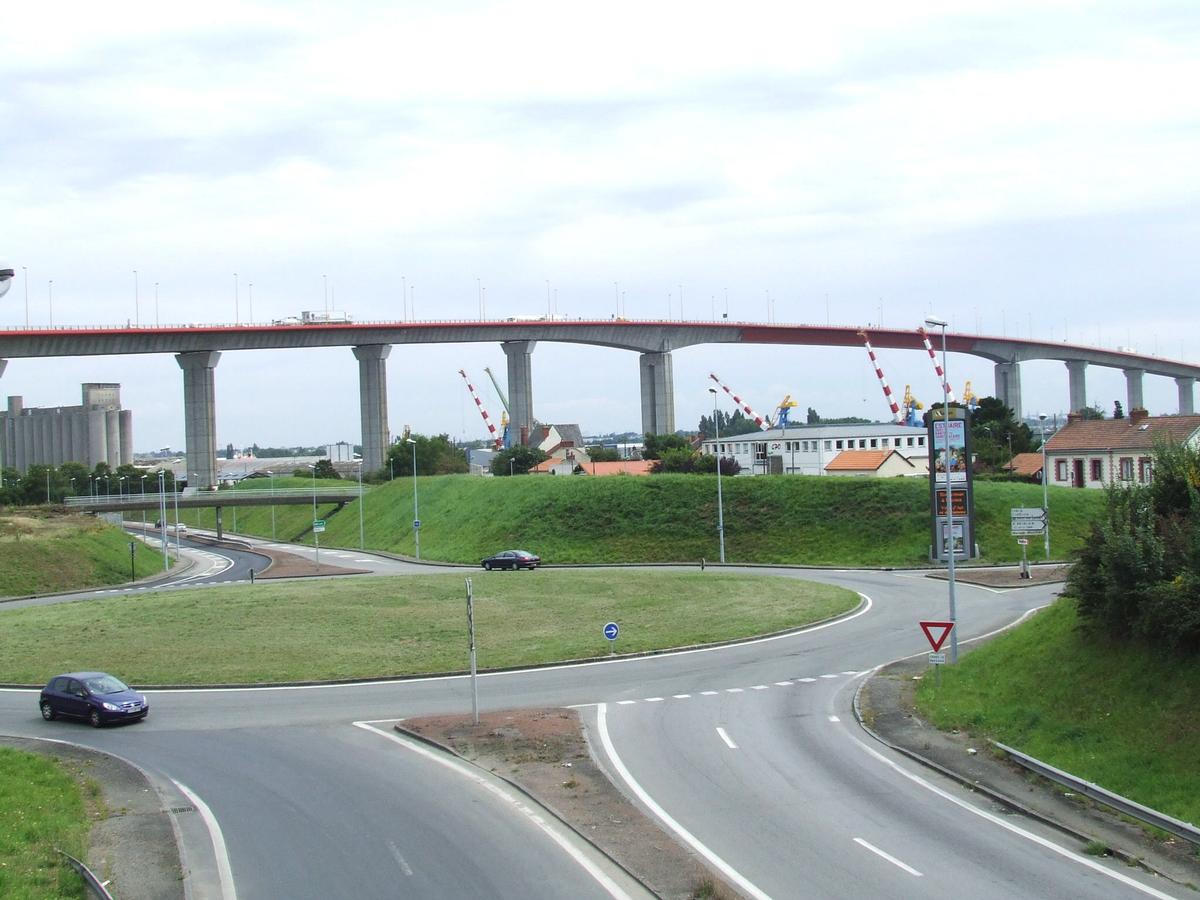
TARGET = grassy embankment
x,y
43,808
396,626
43,552
1123,716
802,520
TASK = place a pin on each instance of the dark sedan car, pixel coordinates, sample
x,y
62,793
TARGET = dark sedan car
x,y
95,696
512,559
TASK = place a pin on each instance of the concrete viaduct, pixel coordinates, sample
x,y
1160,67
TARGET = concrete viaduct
x,y
198,349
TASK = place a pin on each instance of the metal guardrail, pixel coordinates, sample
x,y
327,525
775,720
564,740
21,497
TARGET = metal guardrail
x,y
94,884
1185,830
226,497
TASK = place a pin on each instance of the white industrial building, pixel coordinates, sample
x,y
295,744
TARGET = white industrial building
x,y
97,431
808,449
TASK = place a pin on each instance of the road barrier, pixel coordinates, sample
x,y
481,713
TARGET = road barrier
x,y
94,885
1185,830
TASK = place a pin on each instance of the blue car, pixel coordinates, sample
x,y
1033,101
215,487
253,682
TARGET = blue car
x,y
512,559
95,696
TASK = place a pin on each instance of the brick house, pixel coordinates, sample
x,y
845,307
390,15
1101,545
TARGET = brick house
x,y
1095,453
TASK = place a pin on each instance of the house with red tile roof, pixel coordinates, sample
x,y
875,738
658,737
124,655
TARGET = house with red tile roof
x,y
1095,453
875,464
1027,465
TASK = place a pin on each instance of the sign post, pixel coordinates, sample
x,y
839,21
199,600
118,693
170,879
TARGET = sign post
x,y
611,630
132,568
936,658
471,647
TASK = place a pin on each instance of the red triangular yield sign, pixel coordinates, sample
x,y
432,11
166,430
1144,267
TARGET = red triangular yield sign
x,y
936,643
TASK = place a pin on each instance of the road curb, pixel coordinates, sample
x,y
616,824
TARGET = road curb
x,y
442,748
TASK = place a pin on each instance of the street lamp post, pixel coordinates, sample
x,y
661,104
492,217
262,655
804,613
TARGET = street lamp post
x,y
175,495
162,515
949,533
144,505
271,476
416,516
362,540
316,534
1045,491
720,498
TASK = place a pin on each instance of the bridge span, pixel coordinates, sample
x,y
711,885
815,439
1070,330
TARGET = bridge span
x,y
198,349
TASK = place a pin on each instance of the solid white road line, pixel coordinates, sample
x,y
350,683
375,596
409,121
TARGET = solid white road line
x,y
611,887
1015,829
224,872
895,862
686,836
726,738
400,860
834,719
784,683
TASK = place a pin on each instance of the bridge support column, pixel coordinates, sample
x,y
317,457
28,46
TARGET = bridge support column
x,y
1008,386
658,393
5,454
520,388
1133,390
1077,383
372,399
199,415
1187,404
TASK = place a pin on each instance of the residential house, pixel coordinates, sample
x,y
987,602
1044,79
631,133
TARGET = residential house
x,y
875,464
1094,453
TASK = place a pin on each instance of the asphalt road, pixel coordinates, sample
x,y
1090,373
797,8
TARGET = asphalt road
x,y
750,753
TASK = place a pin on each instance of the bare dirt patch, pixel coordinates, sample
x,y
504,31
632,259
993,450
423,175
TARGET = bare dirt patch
x,y
545,752
1007,577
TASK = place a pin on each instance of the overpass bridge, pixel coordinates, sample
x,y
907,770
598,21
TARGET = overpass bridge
x,y
198,349
216,500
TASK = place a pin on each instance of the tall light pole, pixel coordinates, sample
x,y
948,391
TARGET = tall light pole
x,y
1045,491
175,495
162,516
720,498
237,316
271,476
362,541
144,477
949,534
416,516
25,277
156,304
316,534
137,315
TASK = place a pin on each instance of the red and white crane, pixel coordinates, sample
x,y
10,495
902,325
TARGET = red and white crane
x,y
937,366
887,391
483,412
764,424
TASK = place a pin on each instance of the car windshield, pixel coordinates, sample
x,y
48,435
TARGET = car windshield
x,y
522,553
105,684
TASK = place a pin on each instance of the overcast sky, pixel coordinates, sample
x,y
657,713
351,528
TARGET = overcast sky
x,y
1017,168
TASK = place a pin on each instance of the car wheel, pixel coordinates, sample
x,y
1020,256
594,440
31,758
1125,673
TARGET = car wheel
x,y
48,712
488,566
94,718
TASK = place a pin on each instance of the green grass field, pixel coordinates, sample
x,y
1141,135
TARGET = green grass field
x,y
1122,716
368,627
42,807
668,518
43,553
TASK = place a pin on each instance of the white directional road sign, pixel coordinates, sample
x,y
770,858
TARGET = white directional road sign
x,y
1028,520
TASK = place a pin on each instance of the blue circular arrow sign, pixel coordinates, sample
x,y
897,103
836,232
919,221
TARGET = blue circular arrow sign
x,y
611,631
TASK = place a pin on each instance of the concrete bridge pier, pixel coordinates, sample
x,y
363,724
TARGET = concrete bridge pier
x,y
372,399
1133,390
658,393
1187,405
1008,386
520,388
1078,384
199,415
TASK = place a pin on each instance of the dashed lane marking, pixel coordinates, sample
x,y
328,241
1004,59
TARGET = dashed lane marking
x,y
726,738
737,690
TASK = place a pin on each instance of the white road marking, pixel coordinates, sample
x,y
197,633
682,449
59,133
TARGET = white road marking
x,y
403,863
850,673
709,693
626,702
761,687
829,676
686,836
895,862
224,872
611,887
1015,829
681,696
726,738
734,690
807,680
834,719
654,699
784,683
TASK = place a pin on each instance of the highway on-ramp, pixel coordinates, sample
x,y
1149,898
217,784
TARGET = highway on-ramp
x,y
749,753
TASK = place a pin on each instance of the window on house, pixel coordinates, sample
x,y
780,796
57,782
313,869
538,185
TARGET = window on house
x,y
910,442
829,445
1145,470
1060,470
875,442
1096,476
921,441
862,443
1127,468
